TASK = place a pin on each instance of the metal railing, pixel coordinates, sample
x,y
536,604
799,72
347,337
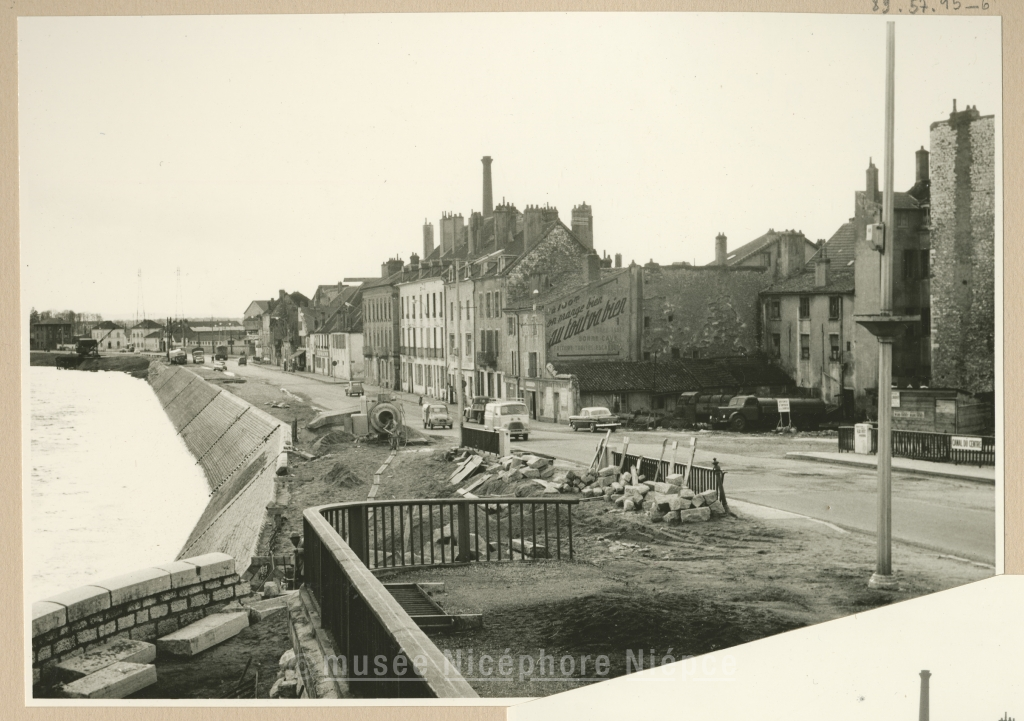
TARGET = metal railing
x,y
443,532
366,624
481,439
925,446
702,478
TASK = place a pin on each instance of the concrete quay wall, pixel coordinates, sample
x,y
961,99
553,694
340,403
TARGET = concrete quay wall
x,y
237,446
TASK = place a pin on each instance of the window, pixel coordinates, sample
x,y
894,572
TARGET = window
x,y
926,271
434,302
670,317
515,366
468,350
805,346
695,353
451,309
480,302
833,341
451,344
647,321
849,346
835,304
805,306
511,323
647,355
903,220
675,354
497,304
776,347
775,311
910,270
487,306
532,368
926,321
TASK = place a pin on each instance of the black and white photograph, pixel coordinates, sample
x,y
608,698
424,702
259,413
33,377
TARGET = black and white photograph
x,y
485,357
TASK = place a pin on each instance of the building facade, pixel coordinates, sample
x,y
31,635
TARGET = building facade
x,y
381,329
422,330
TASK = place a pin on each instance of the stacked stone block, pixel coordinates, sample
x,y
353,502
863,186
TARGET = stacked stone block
x,y
963,252
142,605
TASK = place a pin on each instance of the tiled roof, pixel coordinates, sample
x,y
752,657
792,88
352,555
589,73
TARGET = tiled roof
x,y
147,324
839,281
107,325
673,376
840,249
55,321
755,246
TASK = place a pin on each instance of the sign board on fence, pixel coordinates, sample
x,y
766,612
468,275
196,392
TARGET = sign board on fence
x,y
966,443
895,399
783,405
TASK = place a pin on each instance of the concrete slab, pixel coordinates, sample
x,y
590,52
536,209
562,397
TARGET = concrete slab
x,y
107,654
203,634
982,474
182,573
47,616
82,601
212,565
135,585
115,681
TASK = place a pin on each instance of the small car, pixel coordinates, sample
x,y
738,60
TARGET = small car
x,y
594,419
354,389
436,414
243,360
219,365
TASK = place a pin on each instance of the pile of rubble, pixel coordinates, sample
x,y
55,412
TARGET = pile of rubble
x,y
518,474
668,501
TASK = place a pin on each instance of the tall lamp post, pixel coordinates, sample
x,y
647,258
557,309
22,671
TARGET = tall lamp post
x,y
886,327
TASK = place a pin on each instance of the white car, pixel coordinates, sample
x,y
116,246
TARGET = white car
x,y
512,415
219,365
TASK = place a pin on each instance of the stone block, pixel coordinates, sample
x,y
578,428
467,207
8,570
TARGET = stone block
x,y
142,616
242,589
182,573
212,565
63,646
200,599
47,616
126,622
678,504
224,593
663,501
115,681
672,517
43,654
179,605
144,632
628,505
166,596
104,655
136,585
190,617
203,634
717,509
697,501
158,611
107,628
210,585
82,601
87,635
609,471
695,515
190,590
147,602
168,625
686,493
531,473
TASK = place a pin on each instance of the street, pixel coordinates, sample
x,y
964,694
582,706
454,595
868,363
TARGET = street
x,y
948,515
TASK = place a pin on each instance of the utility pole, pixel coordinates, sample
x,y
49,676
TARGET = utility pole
x,y
886,327
458,337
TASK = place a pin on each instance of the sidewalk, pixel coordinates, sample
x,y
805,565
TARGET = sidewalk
x,y
983,474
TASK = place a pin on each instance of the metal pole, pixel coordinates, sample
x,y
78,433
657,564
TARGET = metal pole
x,y
458,362
882,578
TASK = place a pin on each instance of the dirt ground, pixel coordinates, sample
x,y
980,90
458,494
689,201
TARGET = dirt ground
x,y
632,586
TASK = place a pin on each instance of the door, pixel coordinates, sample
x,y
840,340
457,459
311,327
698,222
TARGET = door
x,y
556,404
531,402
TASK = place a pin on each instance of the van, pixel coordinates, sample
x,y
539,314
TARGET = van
x,y
512,415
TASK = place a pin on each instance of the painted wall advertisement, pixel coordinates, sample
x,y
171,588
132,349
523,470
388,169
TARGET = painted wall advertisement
x,y
592,323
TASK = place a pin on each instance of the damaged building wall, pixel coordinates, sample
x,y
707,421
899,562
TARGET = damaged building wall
x,y
700,311
558,260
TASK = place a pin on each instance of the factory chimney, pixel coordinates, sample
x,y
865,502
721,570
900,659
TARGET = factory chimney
x,y
721,249
488,195
923,714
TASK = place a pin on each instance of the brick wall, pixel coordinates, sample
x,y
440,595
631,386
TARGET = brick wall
x,y
706,308
963,245
142,605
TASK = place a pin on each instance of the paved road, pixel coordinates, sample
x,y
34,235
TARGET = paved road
x,y
949,515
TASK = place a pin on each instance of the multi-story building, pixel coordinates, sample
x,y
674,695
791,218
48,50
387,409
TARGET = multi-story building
x,y
381,331
421,299
147,335
49,333
279,340
110,336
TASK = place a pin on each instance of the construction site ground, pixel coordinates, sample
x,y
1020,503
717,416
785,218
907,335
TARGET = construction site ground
x,y
632,585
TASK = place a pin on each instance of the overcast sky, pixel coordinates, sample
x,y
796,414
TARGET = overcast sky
x,y
282,152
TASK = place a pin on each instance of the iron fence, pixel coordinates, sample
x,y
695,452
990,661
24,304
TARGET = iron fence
x,y
702,478
482,439
924,446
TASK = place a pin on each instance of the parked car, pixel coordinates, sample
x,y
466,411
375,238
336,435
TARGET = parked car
x,y
596,418
475,411
748,412
436,414
243,360
354,389
512,415
219,365
198,357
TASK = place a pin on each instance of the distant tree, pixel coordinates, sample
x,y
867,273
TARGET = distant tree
x,y
33,316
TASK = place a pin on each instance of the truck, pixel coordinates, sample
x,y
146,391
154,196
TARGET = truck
x,y
746,412
220,353
84,348
198,357
594,419
178,357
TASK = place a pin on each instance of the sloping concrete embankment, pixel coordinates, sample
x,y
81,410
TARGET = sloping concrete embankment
x,y
237,446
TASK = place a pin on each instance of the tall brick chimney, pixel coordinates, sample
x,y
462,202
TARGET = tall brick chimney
x,y
533,226
872,182
721,249
923,713
618,260
922,165
583,224
504,224
428,238
821,270
488,194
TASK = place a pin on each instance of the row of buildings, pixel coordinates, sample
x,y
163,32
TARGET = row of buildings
x,y
518,304
145,336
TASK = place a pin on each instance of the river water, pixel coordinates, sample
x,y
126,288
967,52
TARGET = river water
x,y
111,486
